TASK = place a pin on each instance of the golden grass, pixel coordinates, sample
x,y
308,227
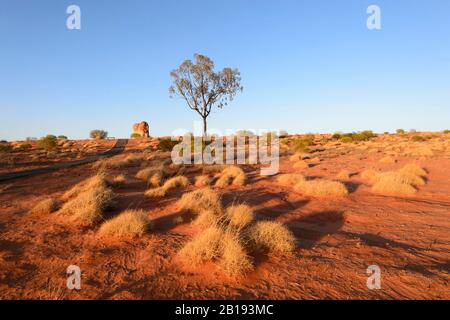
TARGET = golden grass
x,y
203,181
413,169
130,223
370,175
173,183
272,236
204,247
231,175
118,181
290,179
239,216
343,175
87,207
387,185
146,173
93,182
400,182
301,165
234,260
200,200
45,206
208,218
321,188
156,180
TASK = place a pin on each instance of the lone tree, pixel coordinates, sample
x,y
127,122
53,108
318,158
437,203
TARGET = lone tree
x,y
202,88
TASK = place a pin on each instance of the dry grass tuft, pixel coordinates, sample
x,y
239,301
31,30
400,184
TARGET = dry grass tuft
x,y
272,236
234,260
231,175
203,181
205,247
239,216
130,223
400,182
118,181
301,165
173,183
390,184
370,175
96,181
200,200
321,188
413,169
343,175
87,207
45,206
290,179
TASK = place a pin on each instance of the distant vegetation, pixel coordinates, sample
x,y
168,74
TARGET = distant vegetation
x,y
400,131
98,134
48,142
446,131
135,135
61,137
167,144
354,136
5,147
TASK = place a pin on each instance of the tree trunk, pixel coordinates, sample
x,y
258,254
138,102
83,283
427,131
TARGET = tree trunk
x,y
204,128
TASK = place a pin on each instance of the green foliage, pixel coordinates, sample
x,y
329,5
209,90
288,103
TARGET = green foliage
x,y
337,136
167,144
446,131
48,142
346,139
135,135
5,147
400,131
98,134
421,138
302,144
24,147
357,136
62,137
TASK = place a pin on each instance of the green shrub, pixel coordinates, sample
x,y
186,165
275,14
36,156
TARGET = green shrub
x,y
400,131
98,134
167,144
62,137
446,131
5,147
419,138
48,142
337,136
135,135
24,147
346,139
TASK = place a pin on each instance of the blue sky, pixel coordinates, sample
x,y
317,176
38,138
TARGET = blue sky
x,y
306,66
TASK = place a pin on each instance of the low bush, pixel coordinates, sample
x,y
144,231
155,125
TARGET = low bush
x,y
130,223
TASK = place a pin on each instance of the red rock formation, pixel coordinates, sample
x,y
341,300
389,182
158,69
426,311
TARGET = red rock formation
x,y
142,128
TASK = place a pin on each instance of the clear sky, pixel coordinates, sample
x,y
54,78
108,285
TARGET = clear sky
x,y
306,65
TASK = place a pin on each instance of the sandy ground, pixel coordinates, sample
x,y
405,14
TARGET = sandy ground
x,y
407,237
